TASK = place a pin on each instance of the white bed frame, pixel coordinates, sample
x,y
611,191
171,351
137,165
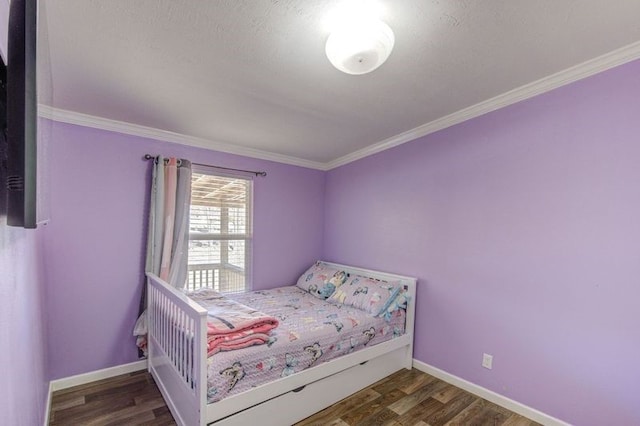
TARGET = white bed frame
x,y
177,356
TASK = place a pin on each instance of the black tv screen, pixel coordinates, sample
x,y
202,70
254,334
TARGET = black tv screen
x,y
3,139
20,145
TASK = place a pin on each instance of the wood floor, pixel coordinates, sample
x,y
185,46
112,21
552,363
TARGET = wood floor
x,y
410,397
404,398
130,399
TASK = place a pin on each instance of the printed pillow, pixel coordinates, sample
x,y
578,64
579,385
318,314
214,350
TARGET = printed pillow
x,y
368,294
321,280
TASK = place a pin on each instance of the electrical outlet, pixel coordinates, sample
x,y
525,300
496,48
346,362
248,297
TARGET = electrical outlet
x,y
487,361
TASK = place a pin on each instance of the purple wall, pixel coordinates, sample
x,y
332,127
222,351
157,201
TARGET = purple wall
x,y
95,241
22,340
523,227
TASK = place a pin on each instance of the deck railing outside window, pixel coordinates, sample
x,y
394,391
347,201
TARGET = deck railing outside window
x,y
223,278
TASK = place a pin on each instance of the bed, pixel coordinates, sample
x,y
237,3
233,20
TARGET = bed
x,y
198,390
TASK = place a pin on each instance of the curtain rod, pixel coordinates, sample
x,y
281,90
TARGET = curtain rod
x,y
152,157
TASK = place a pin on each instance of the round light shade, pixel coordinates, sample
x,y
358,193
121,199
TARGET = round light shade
x,y
360,48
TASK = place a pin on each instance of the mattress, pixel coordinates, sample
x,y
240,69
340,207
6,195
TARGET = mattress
x,y
311,331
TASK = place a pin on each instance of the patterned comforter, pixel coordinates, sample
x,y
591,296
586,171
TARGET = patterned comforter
x,y
311,331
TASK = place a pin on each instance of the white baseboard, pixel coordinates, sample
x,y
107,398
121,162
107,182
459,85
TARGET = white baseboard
x,y
92,376
489,395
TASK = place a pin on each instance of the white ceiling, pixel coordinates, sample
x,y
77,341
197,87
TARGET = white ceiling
x,y
253,73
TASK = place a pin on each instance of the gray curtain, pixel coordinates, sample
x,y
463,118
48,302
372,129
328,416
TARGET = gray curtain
x,y
178,266
168,234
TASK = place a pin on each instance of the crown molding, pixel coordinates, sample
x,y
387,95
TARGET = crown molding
x,y
72,117
578,72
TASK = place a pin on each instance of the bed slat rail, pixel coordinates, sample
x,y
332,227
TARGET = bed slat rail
x,y
177,349
174,332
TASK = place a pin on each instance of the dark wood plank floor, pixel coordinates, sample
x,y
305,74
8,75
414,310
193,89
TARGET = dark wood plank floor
x,y
130,399
404,398
411,397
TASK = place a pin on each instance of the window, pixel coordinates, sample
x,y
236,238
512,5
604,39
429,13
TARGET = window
x,y
220,232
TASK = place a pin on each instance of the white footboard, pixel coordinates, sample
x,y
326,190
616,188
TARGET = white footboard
x,y
177,350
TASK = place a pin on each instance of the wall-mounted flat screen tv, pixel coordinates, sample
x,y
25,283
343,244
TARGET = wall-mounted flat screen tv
x,y
19,136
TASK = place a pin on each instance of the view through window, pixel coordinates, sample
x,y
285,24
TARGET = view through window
x,y
219,232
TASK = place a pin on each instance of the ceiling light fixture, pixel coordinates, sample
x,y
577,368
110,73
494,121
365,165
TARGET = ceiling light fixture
x,y
359,42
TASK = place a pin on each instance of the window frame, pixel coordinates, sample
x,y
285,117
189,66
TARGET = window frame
x,y
247,236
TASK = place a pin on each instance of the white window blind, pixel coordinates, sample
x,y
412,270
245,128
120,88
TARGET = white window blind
x,y
220,236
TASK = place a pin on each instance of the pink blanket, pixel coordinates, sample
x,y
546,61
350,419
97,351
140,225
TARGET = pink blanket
x,y
232,325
